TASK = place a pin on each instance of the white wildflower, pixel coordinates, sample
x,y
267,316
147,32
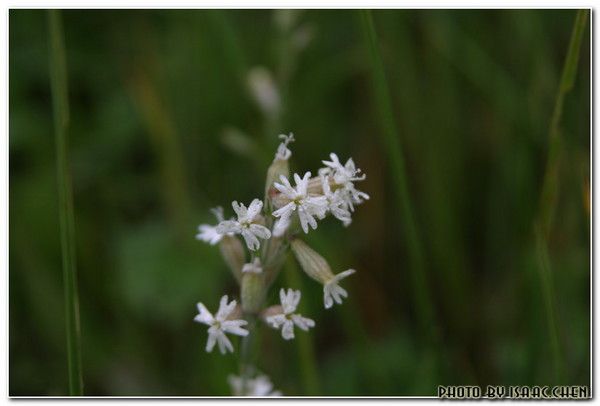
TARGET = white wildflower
x,y
253,267
283,152
219,325
332,291
287,319
208,233
345,176
336,203
307,207
258,386
245,224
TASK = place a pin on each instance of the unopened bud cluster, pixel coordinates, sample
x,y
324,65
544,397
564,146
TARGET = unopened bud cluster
x,y
268,229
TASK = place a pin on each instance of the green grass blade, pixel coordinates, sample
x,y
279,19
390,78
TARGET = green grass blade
x,y
393,148
58,80
550,185
549,194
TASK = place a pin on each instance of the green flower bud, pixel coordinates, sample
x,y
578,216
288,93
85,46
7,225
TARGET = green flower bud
x,y
278,167
313,264
253,292
233,253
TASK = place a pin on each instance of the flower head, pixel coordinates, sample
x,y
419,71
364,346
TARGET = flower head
x,y
299,201
208,233
220,324
332,291
336,203
283,152
253,267
287,318
246,224
345,176
261,385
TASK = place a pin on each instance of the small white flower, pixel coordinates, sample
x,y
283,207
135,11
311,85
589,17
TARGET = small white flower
x,y
287,319
219,325
336,203
307,207
245,224
259,386
332,291
208,233
253,267
346,175
283,152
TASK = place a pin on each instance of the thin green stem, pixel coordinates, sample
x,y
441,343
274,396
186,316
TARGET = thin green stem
x,y
549,194
305,342
550,186
58,81
393,148
246,354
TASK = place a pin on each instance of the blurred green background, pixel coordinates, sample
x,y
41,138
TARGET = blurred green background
x,y
163,127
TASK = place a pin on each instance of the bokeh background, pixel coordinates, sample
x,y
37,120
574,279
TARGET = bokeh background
x,y
164,126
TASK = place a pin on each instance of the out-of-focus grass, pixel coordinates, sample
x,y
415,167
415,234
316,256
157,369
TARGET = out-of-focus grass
x,y
60,104
472,110
550,190
395,155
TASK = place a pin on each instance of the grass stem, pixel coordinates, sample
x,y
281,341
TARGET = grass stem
x,y
393,149
549,194
58,81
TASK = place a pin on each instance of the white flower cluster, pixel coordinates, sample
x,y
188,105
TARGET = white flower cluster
x,y
260,386
269,229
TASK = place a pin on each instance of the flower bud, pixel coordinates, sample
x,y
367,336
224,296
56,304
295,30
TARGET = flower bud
x,y
233,254
264,90
252,292
311,262
278,167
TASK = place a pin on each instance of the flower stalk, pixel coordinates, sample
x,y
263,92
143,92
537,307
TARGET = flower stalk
x,y
265,232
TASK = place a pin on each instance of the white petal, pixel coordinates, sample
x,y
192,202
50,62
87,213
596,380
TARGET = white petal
x,y
210,342
262,386
283,298
302,184
285,211
239,209
254,209
236,385
327,299
281,226
285,187
224,343
287,332
306,219
260,231
225,309
235,327
276,320
251,240
253,267
303,323
203,316
344,274
228,226
334,163
295,299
